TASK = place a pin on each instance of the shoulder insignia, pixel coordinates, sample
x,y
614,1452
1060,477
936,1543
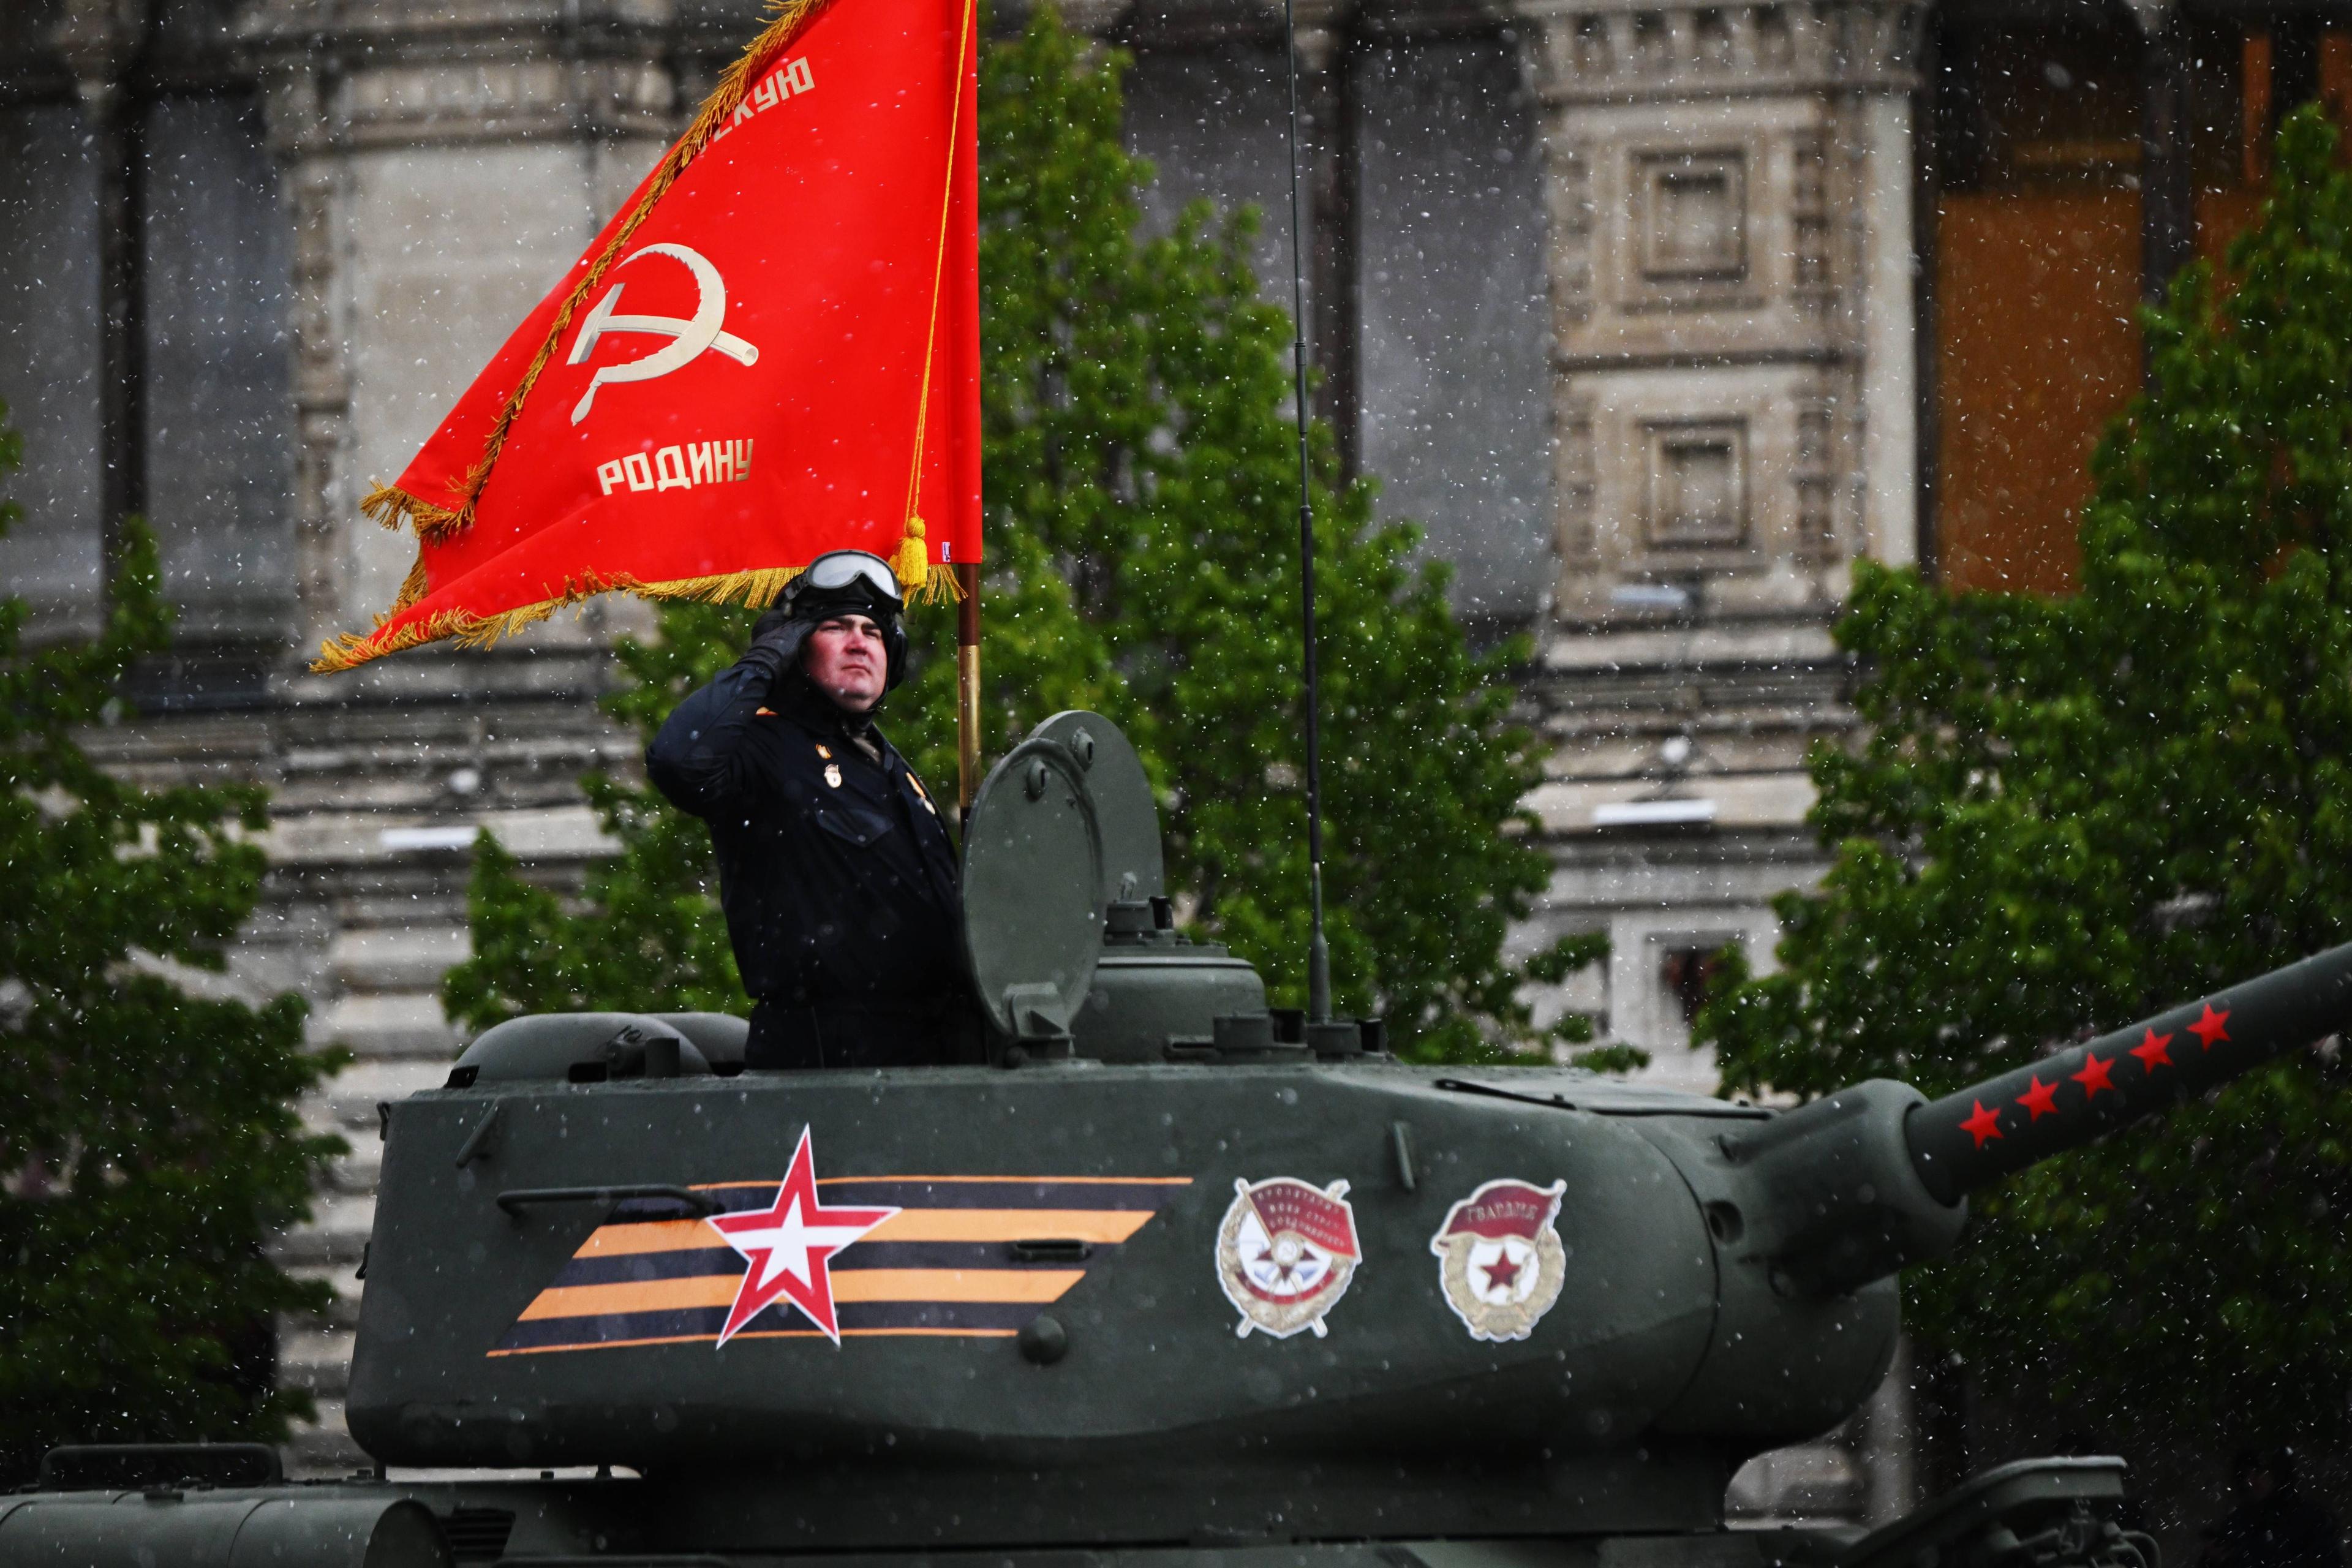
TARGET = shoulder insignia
x,y
824,751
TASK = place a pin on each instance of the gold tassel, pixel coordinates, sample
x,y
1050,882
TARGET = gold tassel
x,y
912,563
938,587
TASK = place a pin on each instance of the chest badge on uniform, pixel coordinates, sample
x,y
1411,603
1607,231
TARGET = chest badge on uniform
x,y
832,775
1286,1253
922,794
1499,1260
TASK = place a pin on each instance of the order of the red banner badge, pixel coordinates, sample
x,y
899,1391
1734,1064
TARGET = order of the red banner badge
x,y
1286,1253
770,352
1500,1261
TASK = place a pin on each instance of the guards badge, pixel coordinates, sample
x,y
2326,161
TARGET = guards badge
x,y
1499,1260
1286,1253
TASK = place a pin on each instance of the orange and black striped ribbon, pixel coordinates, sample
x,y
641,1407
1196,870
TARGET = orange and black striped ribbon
x,y
948,1264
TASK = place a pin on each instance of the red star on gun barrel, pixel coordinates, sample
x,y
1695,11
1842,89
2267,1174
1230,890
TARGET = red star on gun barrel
x,y
1984,1124
2042,1098
2155,1051
2093,1076
787,1247
2208,1028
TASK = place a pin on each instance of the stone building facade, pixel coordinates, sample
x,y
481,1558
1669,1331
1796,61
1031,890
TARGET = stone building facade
x,y
1659,314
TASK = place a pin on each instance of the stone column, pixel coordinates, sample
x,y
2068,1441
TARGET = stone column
x,y
102,42
295,86
2295,66
2167,196
1329,59
1731,302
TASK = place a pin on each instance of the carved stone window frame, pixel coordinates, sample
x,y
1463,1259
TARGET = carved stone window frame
x,y
1664,538
1799,491
1645,278
1655,172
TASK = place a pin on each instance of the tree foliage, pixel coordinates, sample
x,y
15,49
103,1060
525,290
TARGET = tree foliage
x,y
2070,813
148,1143
1141,531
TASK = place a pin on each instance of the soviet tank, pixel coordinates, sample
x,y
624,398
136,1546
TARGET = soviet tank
x,y
1179,1282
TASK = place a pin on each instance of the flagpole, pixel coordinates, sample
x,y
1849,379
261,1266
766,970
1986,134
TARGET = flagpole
x,y
1318,951
967,688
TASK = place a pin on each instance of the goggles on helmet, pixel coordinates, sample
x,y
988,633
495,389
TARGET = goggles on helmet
x,y
837,570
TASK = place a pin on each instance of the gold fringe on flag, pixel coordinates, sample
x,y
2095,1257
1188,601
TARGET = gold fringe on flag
x,y
390,506
413,587
756,589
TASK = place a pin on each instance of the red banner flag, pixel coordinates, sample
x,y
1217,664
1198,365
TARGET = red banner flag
x,y
772,351
1285,1203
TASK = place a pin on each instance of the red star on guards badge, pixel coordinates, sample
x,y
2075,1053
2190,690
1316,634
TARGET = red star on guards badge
x,y
788,1244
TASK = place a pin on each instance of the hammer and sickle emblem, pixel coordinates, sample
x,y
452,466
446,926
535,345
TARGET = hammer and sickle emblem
x,y
687,338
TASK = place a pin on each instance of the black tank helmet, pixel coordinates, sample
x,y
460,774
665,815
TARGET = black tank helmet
x,y
840,582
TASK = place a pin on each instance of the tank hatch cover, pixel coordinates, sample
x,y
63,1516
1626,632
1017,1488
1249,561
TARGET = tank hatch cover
x,y
1125,808
1032,878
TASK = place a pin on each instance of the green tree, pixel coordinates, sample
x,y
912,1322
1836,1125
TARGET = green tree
x,y
148,1143
1141,527
2070,813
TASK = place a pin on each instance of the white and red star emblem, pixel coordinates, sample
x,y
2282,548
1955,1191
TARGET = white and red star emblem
x,y
788,1247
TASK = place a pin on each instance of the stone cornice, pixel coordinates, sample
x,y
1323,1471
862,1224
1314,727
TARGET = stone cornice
x,y
466,26
99,39
1203,24
365,73
1630,51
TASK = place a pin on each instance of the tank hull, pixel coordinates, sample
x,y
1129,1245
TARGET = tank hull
x,y
719,1525
1051,1309
741,1521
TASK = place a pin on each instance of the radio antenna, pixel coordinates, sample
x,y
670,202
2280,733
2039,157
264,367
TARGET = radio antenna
x,y
1318,951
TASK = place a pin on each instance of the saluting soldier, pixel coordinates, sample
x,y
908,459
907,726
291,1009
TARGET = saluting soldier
x,y
835,868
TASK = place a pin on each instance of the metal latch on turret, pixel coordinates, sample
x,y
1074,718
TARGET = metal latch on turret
x,y
1040,1014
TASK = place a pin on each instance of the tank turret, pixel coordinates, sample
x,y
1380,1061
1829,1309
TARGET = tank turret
x,y
1177,1268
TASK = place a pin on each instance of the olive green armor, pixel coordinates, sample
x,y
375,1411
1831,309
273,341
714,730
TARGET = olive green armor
x,y
1180,1283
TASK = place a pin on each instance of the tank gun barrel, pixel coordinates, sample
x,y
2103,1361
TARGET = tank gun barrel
x,y
1977,1135
1861,1182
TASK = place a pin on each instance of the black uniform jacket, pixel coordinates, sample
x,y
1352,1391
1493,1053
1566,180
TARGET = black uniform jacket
x,y
836,873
